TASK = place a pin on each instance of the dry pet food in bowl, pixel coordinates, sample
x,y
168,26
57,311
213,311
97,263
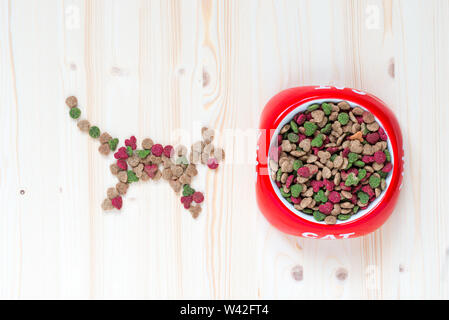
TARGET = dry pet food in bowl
x,y
329,162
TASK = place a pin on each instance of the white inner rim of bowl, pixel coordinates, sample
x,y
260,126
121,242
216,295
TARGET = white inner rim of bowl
x,y
301,214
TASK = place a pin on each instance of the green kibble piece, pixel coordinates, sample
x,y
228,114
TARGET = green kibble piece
x,y
388,155
362,174
278,175
284,194
374,181
313,107
333,157
343,217
182,160
296,190
285,136
310,128
307,211
319,216
320,197
359,164
293,137
294,126
317,141
132,177
363,197
129,151
355,209
75,113
289,200
113,143
349,166
297,164
327,128
351,180
352,157
143,153
365,131
343,118
383,174
94,132
327,108
187,191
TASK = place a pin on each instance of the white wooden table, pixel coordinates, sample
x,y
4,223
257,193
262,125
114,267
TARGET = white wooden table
x,y
151,67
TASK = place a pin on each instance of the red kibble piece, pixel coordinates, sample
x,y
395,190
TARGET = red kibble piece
x,y
345,152
354,198
279,184
187,199
360,120
157,150
329,185
304,172
332,150
353,170
380,157
367,189
368,159
387,168
289,181
372,138
309,116
316,185
279,140
301,119
198,197
301,137
117,202
344,175
212,163
326,208
356,188
168,151
363,208
121,154
295,200
334,197
151,170
382,134
122,164
131,142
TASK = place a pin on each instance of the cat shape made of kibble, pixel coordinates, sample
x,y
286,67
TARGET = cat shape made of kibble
x,y
152,161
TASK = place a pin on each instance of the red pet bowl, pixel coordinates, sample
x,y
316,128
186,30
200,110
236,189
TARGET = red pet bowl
x,y
280,110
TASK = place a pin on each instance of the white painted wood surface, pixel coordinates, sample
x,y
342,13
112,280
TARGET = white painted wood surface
x,y
150,67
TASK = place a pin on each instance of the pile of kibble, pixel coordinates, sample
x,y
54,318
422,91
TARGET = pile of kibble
x,y
153,161
331,161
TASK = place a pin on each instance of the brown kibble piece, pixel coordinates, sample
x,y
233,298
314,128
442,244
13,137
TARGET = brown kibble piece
x,y
84,125
185,179
177,171
107,205
114,169
158,175
181,150
175,185
123,176
134,161
71,102
105,138
208,135
195,211
104,149
147,144
191,170
112,193
368,117
167,174
122,188
330,220
145,177
344,105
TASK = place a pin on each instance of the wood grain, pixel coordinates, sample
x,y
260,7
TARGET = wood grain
x,y
163,69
